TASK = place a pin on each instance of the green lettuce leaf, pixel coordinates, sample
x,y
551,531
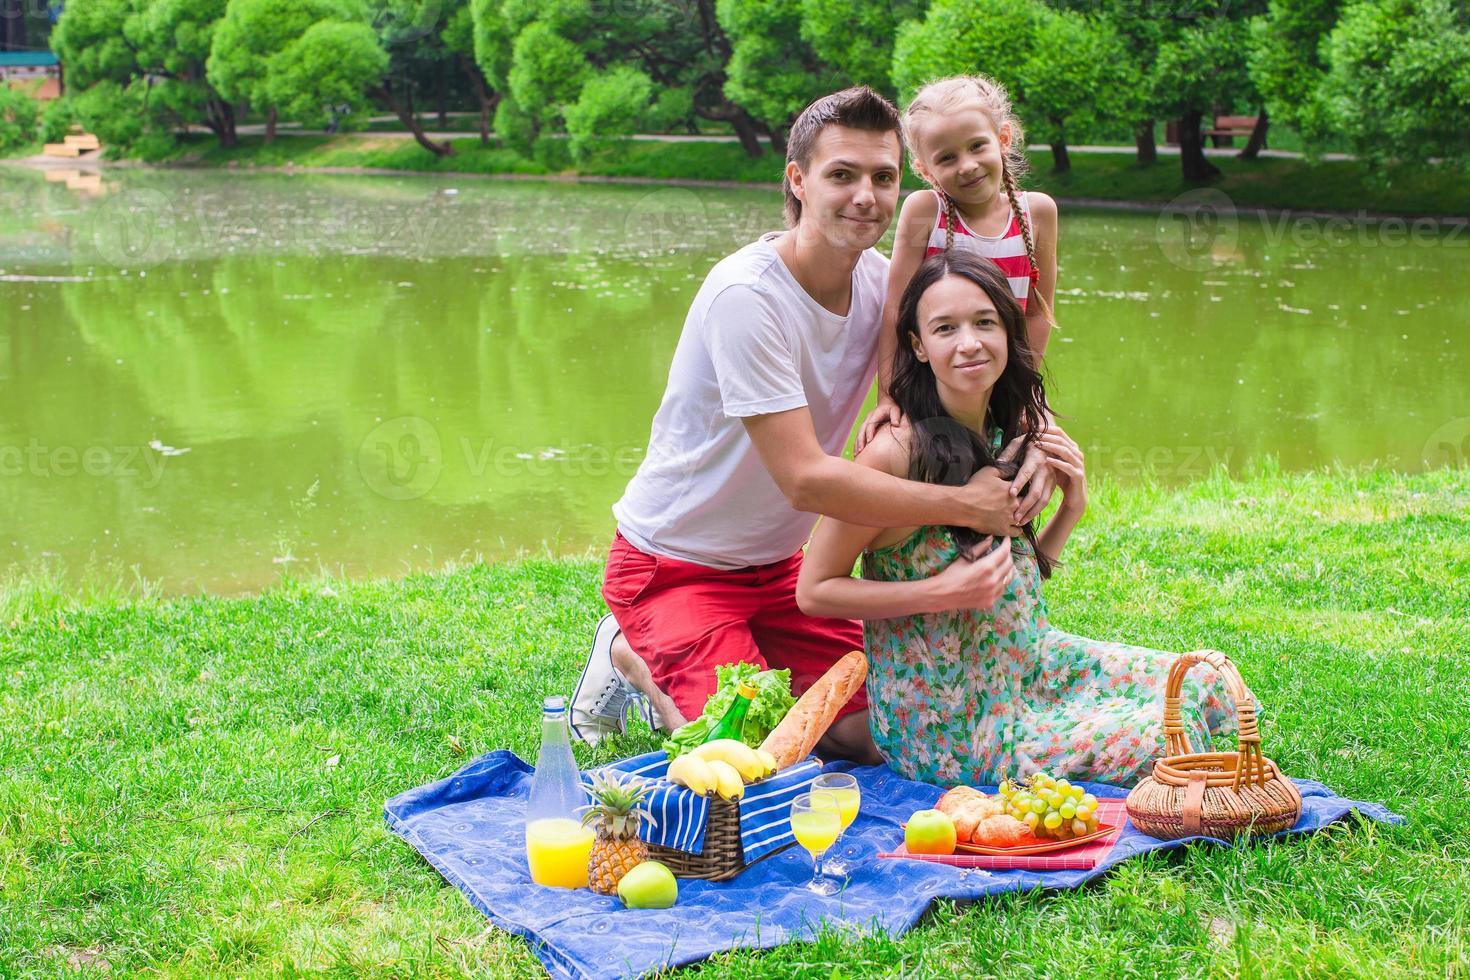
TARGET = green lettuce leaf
x,y
773,699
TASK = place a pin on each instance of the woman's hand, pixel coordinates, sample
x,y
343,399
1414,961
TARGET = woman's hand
x,y
885,413
974,583
1064,457
1035,477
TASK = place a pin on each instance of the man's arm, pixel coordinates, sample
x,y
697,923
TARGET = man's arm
x,y
826,586
817,483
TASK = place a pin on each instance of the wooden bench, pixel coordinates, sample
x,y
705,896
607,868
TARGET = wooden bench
x,y
1221,127
1232,126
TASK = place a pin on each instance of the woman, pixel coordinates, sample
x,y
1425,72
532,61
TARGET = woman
x,y
975,695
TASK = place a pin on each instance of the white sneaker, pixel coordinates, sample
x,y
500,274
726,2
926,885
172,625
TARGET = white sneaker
x,y
600,700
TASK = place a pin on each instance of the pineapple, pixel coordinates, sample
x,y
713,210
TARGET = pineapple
x,y
618,848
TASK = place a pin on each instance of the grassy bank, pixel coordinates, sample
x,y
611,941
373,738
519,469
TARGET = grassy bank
x,y
1349,186
193,787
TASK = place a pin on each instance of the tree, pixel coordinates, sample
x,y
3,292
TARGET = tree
x,y
1077,76
1398,79
610,105
409,32
149,56
1142,31
539,56
459,38
327,72
101,69
547,70
1285,64
1200,67
89,40
173,39
771,73
956,37
686,52
856,37
249,36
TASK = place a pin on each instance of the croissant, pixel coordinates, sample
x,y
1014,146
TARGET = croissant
x,y
980,819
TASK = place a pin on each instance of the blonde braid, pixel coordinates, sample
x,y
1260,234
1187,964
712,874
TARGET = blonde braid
x,y
950,216
1022,218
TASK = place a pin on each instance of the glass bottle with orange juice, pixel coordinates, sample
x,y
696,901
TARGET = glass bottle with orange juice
x,y
557,845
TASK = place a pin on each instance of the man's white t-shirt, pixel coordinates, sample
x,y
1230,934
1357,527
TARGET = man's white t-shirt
x,y
754,343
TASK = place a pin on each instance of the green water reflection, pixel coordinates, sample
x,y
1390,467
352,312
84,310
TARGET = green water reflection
x,y
213,377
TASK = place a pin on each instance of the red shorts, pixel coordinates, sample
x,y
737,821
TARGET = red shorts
x,y
685,619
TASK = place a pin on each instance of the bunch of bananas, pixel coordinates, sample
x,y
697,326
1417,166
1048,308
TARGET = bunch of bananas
x,y
723,766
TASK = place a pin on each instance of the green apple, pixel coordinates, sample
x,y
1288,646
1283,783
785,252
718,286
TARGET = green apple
x,y
930,832
649,885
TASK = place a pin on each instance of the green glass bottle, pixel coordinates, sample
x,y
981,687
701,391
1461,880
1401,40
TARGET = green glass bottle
x,y
733,724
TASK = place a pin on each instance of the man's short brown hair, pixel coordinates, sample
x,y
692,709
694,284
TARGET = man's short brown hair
x,y
858,107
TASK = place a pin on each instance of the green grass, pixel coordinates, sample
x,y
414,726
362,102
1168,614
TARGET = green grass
x,y
193,787
1350,186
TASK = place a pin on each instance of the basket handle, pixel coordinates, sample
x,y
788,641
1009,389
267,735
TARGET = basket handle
x,y
1250,765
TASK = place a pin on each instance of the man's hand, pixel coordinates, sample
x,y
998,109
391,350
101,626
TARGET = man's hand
x,y
1035,470
977,583
885,413
988,496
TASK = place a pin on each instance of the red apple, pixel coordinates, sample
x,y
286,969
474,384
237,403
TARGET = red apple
x,y
930,832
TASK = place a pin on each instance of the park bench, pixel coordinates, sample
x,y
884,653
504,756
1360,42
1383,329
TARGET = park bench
x,y
1221,128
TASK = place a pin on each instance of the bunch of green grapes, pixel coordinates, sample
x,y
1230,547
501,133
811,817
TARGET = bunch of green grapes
x,y
1050,807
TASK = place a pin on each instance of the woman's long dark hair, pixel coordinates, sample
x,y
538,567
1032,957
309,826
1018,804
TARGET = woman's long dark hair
x,y
942,449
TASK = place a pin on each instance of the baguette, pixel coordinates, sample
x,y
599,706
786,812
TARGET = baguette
x,y
808,720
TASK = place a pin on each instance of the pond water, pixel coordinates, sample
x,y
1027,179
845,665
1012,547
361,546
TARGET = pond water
x,y
207,378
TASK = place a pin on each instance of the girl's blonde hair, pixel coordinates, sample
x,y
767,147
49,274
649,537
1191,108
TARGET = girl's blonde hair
x,y
989,96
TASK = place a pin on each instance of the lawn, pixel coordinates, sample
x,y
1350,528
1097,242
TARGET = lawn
x,y
193,786
1294,184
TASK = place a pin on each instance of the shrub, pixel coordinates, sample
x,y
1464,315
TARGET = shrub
x,y
18,114
611,106
57,119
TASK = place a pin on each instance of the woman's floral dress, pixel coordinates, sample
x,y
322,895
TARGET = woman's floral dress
x,y
975,696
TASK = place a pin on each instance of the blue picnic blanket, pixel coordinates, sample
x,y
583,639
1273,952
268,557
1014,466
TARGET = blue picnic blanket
x,y
470,827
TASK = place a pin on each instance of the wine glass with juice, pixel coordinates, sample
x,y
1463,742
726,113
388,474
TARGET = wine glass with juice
x,y
843,788
815,823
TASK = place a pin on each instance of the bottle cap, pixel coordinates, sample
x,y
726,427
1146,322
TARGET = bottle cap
x,y
554,704
747,690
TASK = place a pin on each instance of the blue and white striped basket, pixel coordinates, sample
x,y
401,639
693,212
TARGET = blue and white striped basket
x,y
681,833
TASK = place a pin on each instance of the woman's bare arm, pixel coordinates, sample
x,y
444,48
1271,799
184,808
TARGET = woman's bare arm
x,y
826,586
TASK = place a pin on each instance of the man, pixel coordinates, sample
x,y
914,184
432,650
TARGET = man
x,y
776,356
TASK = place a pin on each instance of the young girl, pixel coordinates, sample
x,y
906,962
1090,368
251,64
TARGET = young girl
x,y
968,146
962,686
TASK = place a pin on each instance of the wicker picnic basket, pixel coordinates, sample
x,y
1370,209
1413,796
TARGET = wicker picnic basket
x,y
1217,794
723,856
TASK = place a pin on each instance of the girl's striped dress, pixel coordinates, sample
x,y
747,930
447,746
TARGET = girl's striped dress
x,y
1007,250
